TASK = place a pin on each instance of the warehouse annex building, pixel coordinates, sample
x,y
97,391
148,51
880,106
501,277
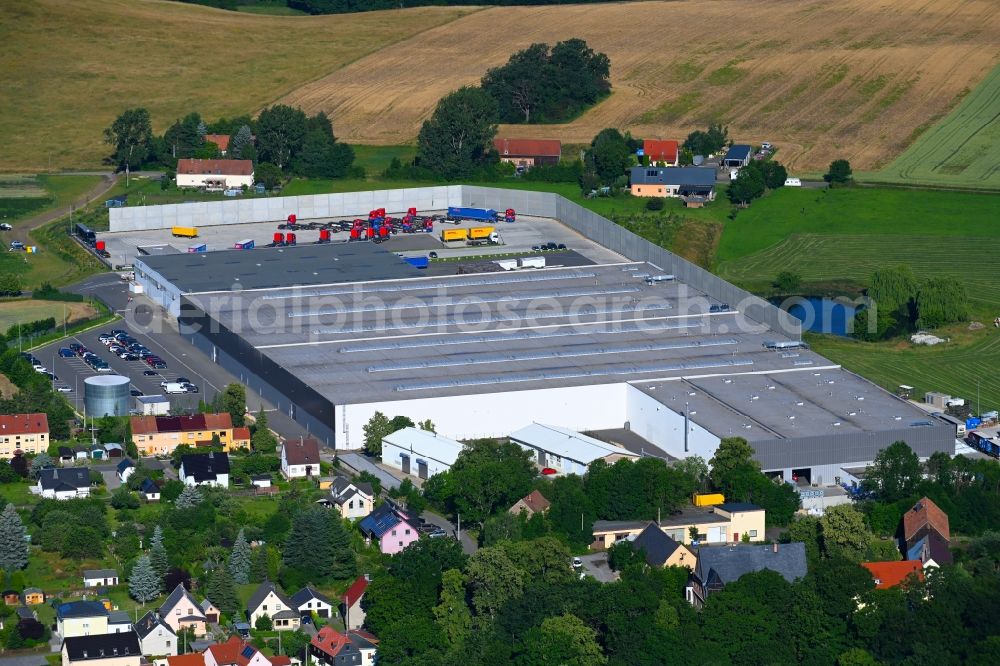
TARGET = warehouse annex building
x,y
331,334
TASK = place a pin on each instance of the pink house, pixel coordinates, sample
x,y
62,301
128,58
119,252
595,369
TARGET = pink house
x,y
390,527
236,652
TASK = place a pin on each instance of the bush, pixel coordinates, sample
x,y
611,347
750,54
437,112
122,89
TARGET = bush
x,y
263,623
49,293
655,203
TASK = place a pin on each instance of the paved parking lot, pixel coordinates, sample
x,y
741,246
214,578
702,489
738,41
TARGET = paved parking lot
x,y
596,565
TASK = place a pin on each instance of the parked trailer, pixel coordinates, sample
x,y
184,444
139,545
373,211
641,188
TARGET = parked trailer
x,y
983,443
85,233
507,264
482,214
244,244
475,233
448,235
184,232
531,262
708,499
201,247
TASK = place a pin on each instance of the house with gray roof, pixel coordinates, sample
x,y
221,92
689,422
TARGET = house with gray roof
x,y
648,181
309,601
720,565
119,621
268,600
100,577
156,637
63,483
182,611
662,551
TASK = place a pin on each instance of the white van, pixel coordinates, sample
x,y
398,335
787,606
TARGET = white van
x,y
793,182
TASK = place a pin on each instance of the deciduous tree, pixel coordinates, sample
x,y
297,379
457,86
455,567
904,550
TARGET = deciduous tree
x,y
565,639
234,401
280,132
844,532
839,172
894,474
131,136
375,431
456,139
452,613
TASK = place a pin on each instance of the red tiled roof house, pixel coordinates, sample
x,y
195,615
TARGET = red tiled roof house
x,y
661,153
214,174
529,152
25,432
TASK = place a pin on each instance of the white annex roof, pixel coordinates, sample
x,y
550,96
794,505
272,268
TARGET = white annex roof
x,y
425,443
567,443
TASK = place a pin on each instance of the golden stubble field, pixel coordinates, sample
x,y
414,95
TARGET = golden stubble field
x,y
68,67
854,78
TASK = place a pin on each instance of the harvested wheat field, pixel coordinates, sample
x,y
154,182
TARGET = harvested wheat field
x,y
68,67
853,79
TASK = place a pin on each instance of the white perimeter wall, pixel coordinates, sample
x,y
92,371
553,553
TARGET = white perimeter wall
x,y
494,414
273,209
664,427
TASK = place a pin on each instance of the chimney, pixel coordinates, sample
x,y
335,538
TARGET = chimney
x,y
774,548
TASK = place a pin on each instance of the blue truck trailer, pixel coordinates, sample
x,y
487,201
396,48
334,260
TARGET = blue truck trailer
x,y
418,262
480,214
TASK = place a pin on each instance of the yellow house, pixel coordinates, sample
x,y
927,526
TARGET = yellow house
x,y
33,596
160,435
725,523
23,432
121,649
81,618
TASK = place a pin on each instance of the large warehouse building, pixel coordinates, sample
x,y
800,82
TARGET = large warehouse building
x,y
332,333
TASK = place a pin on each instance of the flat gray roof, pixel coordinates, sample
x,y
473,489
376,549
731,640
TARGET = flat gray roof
x,y
456,335
267,267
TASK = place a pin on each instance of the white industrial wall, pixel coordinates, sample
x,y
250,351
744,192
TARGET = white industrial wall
x,y
494,414
157,288
273,209
662,426
391,457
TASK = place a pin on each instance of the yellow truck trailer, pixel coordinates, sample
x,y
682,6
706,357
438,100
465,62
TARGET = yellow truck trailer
x,y
476,233
708,499
185,232
448,235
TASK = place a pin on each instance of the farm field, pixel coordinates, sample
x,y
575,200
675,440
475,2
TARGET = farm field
x,y
23,195
851,79
68,68
963,150
23,311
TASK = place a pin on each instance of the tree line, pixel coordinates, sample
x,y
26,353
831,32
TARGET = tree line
x,y
900,304
282,141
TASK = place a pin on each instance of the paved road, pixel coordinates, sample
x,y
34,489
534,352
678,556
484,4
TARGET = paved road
x,y
468,545
362,464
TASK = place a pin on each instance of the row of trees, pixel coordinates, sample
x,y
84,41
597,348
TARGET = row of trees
x,y
281,141
901,303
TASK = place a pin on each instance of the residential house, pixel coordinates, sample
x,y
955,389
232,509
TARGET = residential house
x,y
236,652
267,600
353,499
350,603
526,153
662,551
156,638
119,621
125,469
211,611
725,523
720,565
931,550
564,450
189,659
100,577
661,152
300,459
532,503
28,433
220,140
205,469
160,435
390,528
419,452
309,601
650,181
332,648
214,174
102,650
149,490
11,598
64,483
181,611
738,156
891,574
240,439
81,618
33,596
923,519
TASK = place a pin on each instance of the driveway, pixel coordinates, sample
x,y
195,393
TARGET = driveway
x,y
596,566
111,480
360,463
25,660
468,545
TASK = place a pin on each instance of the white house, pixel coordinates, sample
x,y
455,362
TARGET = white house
x,y
118,622
267,600
353,499
64,483
125,469
300,459
150,491
419,452
100,578
214,174
102,650
565,450
152,405
309,601
205,469
156,637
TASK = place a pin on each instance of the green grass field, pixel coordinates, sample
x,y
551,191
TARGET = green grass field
x,y
963,150
23,311
24,196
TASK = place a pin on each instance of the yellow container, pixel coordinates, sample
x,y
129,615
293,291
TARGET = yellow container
x,y
708,499
185,232
454,235
476,233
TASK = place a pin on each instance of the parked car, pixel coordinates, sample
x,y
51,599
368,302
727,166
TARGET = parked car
x,y
64,389
562,246
16,245
577,563
136,393
182,380
150,373
191,388
66,352
5,226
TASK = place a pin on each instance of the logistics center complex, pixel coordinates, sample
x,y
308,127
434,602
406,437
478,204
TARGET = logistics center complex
x,y
332,333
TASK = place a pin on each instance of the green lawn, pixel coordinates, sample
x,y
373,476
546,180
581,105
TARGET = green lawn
x,y
26,196
963,150
376,159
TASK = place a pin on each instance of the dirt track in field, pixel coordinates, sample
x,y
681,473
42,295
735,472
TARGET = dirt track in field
x,y
822,80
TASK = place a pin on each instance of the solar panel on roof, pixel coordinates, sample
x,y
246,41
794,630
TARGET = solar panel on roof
x,y
248,652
